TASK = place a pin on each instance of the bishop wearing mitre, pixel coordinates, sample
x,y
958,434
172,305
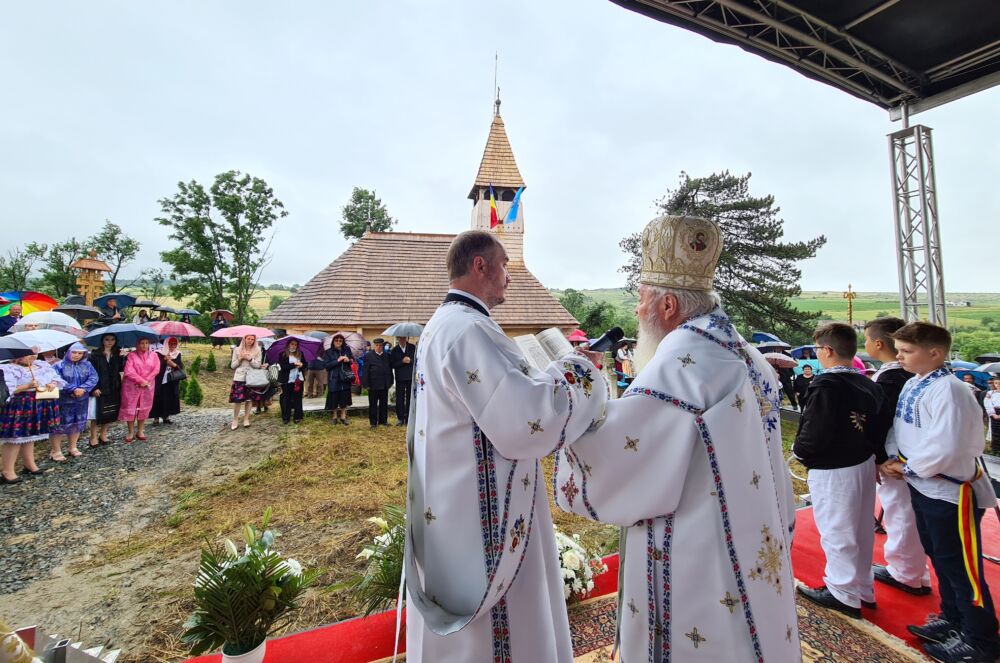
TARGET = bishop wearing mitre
x,y
688,462
481,567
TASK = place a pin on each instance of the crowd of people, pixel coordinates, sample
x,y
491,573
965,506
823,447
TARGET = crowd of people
x,y
59,399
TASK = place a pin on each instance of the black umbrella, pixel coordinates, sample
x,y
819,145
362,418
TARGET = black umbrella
x,y
988,357
11,348
79,312
145,303
166,309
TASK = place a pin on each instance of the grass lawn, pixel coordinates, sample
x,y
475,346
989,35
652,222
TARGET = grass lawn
x,y
260,302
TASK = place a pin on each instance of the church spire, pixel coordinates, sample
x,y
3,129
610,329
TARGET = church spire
x,y
498,166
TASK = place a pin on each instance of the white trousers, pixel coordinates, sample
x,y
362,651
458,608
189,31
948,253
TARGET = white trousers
x,y
904,555
843,507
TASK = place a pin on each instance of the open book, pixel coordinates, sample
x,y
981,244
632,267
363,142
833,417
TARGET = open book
x,y
544,347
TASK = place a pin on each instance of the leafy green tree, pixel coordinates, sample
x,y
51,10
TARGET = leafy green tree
x,y
151,283
363,213
275,302
223,240
114,247
16,267
971,344
58,278
757,272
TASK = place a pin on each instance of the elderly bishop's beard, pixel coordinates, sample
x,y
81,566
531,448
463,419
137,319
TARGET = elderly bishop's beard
x,y
650,335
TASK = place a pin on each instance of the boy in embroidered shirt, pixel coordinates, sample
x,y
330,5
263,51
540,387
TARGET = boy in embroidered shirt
x,y
939,432
837,439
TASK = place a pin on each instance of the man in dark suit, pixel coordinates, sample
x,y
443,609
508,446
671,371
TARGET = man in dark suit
x,y
377,378
9,320
402,363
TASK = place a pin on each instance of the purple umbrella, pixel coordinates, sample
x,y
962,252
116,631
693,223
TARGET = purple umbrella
x,y
311,347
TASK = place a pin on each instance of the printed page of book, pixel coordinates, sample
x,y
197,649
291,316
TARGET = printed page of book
x,y
533,351
554,342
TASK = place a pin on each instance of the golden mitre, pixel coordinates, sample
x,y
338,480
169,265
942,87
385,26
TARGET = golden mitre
x,y
680,252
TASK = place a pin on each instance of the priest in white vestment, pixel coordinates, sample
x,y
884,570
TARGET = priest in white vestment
x,y
689,463
482,571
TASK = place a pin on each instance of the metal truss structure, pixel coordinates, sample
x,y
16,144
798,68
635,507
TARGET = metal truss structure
x,y
918,240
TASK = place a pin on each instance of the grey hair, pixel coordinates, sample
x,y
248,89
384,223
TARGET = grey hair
x,y
691,303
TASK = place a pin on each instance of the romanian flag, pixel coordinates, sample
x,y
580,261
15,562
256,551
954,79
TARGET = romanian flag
x,y
494,215
512,213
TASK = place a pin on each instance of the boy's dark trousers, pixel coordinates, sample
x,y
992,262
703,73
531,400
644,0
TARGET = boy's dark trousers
x,y
291,401
403,400
378,406
937,525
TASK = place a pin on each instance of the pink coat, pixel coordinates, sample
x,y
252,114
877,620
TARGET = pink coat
x,y
136,401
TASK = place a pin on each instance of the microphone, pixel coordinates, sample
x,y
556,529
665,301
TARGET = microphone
x,y
607,340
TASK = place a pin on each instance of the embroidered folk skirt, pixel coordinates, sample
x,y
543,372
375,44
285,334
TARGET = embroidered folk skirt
x,y
73,415
25,419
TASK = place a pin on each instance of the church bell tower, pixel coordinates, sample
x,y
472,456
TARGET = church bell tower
x,y
499,170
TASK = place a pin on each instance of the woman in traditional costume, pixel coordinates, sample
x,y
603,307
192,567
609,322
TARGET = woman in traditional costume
x,y
138,389
74,398
108,363
246,355
167,400
26,420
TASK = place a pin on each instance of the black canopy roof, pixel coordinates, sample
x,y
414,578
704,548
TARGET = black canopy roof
x,y
889,52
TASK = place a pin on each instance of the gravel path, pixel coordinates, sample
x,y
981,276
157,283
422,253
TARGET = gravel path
x,y
55,518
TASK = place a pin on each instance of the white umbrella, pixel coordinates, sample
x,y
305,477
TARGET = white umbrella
x,y
47,320
992,367
44,339
780,360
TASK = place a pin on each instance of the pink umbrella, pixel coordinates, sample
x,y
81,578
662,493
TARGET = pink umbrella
x,y
239,331
355,341
174,328
858,364
780,360
577,336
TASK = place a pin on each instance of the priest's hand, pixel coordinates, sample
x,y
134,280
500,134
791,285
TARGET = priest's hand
x,y
893,469
594,358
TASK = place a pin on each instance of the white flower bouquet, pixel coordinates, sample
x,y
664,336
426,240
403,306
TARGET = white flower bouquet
x,y
578,567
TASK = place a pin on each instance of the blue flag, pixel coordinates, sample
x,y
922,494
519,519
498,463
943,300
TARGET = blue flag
x,y
512,212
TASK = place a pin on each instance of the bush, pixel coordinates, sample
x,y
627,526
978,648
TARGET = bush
x,y
193,394
195,366
182,388
210,364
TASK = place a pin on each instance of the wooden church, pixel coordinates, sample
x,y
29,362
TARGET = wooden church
x,y
410,271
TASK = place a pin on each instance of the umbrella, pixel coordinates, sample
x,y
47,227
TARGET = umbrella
x,y
165,309
858,364
124,300
780,360
798,352
982,379
144,303
956,364
48,320
577,335
311,347
11,348
127,334
225,313
356,342
992,367
188,311
44,339
239,331
75,300
173,328
317,334
79,312
986,358
407,329
773,346
764,337
29,300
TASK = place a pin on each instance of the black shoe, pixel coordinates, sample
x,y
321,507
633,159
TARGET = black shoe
x,y
871,605
286,421
936,630
882,575
823,597
28,473
4,481
957,650
343,421
400,423
373,426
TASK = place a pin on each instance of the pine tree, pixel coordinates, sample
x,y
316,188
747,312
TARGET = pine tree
x,y
193,395
210,364
757,272
182,388
196,366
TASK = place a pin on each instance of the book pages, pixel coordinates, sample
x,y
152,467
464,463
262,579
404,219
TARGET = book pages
x,y
533,351
554,342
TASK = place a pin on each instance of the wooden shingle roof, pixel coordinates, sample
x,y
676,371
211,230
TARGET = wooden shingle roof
x,y
393,277
498,166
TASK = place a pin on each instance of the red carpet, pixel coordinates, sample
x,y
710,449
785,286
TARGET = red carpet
x,y
896,609
364,640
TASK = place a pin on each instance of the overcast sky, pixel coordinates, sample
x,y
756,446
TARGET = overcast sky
x,y
107,105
